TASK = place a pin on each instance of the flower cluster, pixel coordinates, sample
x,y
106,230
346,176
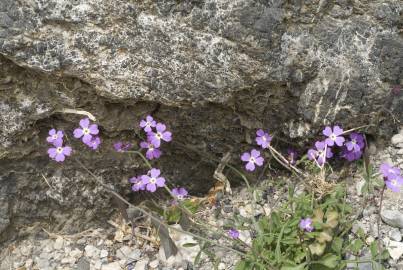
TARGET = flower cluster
x,y
253,158
350,149
179,193
58,152
233,233
156,132
306,225
150,181
391,175
87,132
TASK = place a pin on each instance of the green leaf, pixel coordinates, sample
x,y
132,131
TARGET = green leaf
x,y
329,260
337,245
294,267
357,246
190,205
189,244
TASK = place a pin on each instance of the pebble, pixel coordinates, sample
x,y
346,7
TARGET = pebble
x,y
222,266
128,253
395,249
397,139
29,263
92,251
103,254
395,235
141,265
111,266
154,264
58,243
393,218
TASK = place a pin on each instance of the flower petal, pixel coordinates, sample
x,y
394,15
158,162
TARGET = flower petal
x,y
78,132
327,131
94,129
67,150
337,130
245,156
84,123
250,166
255,153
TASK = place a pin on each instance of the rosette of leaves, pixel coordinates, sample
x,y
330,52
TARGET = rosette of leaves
x,y
281,244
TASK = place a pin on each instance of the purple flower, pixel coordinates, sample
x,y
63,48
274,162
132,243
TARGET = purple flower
x,y
388,170
263,139
137,183
153,180
356,143
86,131
121,146
180,193
319,152
334,136
152,151
306,225
148,123
94,143
292,156
59,152
394,182
351,155
55,136
233,233
160,134
252,159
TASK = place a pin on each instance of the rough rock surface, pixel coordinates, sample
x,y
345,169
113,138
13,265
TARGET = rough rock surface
x,y
212,70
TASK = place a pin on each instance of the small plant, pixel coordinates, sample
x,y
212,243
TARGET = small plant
x,y
309,231
306,234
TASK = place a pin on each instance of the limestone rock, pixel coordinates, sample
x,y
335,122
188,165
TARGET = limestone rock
x,y
213,70
393,218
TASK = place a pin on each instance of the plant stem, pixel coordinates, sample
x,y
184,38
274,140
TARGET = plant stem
x,y
379,224
114,193
142,156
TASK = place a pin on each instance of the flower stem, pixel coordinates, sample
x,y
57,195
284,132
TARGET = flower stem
x,y
143,211
142,156
379,224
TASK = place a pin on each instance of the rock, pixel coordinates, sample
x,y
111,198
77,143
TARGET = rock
x,y
58,243
83,264
103,254
397,139
128,253
154,264
29,263
395,235
395,249
222,266
359,187
111,266
213,71
142,264
393,218
91,251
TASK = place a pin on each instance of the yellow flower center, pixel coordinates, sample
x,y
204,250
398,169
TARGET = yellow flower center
x,y
59,150
86,131
252,159
153,180
54,137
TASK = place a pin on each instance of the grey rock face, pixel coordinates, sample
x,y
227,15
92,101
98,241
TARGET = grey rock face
x,y
214,71
393,218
